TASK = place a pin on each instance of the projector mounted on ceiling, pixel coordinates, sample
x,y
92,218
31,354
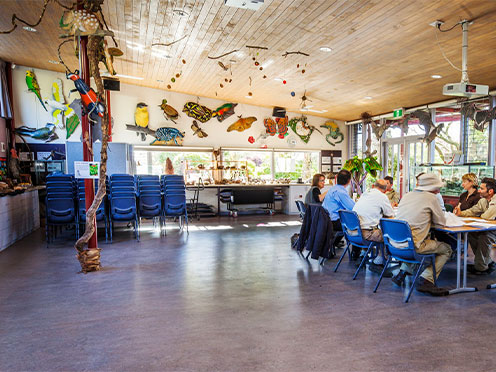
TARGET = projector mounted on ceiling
x,y
245,4
464,88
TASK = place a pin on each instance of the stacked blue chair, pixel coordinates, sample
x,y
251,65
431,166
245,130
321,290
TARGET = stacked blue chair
x,y
150,198
122,202
101,214
60,203
175,198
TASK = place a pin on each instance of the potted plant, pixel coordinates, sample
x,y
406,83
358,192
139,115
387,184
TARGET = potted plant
x,y
359,169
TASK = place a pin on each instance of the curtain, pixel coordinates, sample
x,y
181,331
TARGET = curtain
x,y
5,107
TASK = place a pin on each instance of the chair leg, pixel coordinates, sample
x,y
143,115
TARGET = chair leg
x,y
382,274
308,255
111,230
365,257
346,250
415,280
434,270
136,228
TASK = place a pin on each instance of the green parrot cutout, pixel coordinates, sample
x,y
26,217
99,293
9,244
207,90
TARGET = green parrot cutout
x,y
33,86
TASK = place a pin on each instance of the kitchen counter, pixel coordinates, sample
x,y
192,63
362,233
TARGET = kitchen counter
x,y
19,216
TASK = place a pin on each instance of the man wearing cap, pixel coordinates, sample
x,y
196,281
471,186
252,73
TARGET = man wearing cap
x,y
481,242
421,209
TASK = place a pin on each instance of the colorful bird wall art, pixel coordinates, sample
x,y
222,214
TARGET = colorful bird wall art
x,y
141,118
47,133
198,112
33,86
242,124
59,106
88,96
224,111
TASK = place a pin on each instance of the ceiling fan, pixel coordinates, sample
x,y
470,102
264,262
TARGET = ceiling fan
x,y
304,99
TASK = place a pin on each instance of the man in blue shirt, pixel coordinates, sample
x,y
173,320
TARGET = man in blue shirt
x,y
338,198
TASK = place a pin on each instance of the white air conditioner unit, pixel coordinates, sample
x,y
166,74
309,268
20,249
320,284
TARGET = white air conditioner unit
x,y
245,4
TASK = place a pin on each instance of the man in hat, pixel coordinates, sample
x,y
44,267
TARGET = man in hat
x,y
421,209
481,242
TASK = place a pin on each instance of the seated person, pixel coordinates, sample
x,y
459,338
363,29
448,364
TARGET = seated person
x,y
338,198
393,196
438,195
481,242
314,196
371,207
471,196
421,209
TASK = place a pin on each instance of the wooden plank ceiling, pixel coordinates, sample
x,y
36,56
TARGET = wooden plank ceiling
x,y
383,49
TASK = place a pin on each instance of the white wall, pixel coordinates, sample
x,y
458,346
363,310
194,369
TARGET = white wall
x,y
29,112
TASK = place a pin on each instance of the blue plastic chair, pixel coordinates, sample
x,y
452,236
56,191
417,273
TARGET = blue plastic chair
x,y
175,206
398,241
353,235
123,209
100,215
150,206
301,208
60,211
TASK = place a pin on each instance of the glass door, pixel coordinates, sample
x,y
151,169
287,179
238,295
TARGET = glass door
x,y
400,156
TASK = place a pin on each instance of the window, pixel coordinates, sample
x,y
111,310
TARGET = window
x,y
447,143
153,161
477,140
477,143
356,139
296,164
259,163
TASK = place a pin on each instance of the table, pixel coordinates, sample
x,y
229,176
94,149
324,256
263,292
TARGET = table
x,y
459,231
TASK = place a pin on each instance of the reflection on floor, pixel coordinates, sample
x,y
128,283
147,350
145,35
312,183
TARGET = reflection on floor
x,y
229,296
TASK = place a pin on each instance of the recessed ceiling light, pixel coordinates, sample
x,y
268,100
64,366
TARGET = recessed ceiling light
x,y
53,62
436,76
249,97
30,29
367,97
278,79
325,49
180,12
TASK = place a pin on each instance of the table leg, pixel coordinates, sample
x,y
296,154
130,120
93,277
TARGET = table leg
x,y
459,289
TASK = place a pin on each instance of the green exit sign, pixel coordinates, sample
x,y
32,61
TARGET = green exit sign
x,y
398,113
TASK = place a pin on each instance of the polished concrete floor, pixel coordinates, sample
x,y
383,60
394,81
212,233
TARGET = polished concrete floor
x,y
230,296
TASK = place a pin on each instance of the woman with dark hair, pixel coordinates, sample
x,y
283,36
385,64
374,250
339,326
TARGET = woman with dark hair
x,y
314,196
